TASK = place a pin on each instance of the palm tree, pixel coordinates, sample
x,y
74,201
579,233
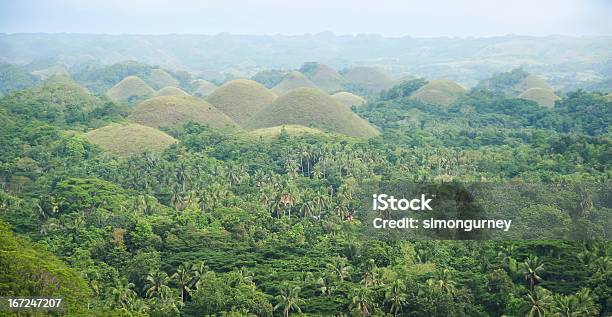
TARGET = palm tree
x,y
307,209
361,300
248,277
198,271
565,306
320,200
123,294
396,297
368,272
324,285
155,280
531,268
291,168
339,266
289,300
445,282
182,175
236,174
539,299
182,278
342,209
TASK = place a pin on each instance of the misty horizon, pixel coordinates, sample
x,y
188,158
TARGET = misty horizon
x,y
393,18
322,33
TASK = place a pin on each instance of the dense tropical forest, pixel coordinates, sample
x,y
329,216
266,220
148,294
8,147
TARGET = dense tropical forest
x,y
130,199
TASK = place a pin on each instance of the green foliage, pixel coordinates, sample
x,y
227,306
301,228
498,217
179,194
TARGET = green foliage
x,y
13,78
30,270
504,82
224,293
63,104
224,223
405,89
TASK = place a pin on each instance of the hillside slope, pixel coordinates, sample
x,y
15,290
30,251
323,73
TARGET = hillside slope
x,y
312,107
176,110
240,99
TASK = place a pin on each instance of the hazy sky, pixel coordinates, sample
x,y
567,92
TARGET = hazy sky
x,y
391,18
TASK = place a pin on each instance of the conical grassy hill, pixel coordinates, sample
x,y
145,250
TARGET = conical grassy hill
x,y
177,110
348,99
129,138
544,97
241,99
440,92
292,81
312,107
130,88
171,91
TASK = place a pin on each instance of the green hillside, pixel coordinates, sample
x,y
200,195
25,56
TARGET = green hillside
x,y
15,78
130,89
176,110
60,101
31,270
171,91
602,86
504,82
312,107
544,97
441,92
101,79
348,99
240,99
44,74
292,81
125,139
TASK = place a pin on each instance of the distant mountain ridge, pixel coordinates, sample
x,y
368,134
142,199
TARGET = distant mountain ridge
x,y
464,60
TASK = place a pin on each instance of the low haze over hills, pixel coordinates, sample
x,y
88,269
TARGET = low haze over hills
x,y
564,61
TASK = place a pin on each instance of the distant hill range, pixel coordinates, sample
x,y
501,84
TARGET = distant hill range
x,y
566,62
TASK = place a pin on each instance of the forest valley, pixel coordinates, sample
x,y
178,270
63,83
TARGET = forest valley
x,y
223,223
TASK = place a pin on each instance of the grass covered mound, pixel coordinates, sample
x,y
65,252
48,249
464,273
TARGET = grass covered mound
x,y
368,79
291,129
171,91
544,97
440,92
159,78
203,87
348,99
532,81
176,110
323,76
312,107
129,138
129,89
240,99
292,81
